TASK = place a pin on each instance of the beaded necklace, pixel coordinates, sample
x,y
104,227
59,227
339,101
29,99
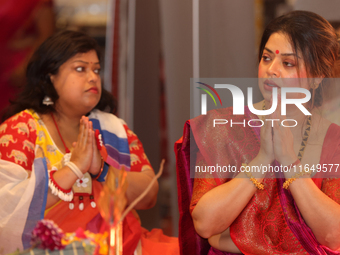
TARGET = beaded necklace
x,y
61,138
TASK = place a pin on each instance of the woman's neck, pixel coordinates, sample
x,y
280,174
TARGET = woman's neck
x,y
68,126
294,115
67,118
64,120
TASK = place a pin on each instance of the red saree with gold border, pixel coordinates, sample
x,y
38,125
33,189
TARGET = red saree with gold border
x,y
271,222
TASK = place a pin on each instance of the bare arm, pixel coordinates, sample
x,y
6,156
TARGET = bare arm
x,y
137,183
141,174
65,179
223,242
219,207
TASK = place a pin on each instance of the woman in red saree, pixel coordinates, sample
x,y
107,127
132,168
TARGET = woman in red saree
x,y
267,213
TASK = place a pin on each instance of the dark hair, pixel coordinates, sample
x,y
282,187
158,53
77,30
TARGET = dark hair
x,y
311,35
46,60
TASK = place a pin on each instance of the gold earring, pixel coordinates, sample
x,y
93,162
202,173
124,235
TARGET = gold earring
x,y
315,85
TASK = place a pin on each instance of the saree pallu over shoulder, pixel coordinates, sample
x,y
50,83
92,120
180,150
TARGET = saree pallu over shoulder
x,y
114,138
239,141
271,222
189,241
23,202
199,133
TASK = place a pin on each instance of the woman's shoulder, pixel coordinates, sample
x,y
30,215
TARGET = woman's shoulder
x,y
26,121
227,112
333,131
28,113
327,127
18,136
221,113
221,118
331,142
101,115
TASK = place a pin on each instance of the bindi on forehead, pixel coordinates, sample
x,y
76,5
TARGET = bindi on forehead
x,y
277,51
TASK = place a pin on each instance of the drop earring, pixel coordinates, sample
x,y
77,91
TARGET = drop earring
x,y
47,101
315,85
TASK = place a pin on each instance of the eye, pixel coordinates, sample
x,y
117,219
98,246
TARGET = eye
x,y
288,64
80,69
97,71
265,58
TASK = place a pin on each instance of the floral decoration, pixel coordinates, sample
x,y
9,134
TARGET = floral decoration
x,y
47,235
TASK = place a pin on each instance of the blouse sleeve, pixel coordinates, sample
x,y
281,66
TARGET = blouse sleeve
x,y
139,160
331,185
17,140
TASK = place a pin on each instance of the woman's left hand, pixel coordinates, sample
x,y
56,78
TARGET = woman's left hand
x,y
96,157
283,140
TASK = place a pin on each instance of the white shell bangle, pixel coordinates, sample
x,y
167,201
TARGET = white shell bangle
x,y
75,169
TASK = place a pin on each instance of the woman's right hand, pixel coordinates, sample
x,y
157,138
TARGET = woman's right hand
x,y
82,153
266,153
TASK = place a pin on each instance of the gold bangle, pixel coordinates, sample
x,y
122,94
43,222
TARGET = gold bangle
x,y
101,170
293,178
257,184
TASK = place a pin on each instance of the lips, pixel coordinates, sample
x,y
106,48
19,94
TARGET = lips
x,y
269,85
93,90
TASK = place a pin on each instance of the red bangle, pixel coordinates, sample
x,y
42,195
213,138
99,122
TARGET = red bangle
x,y
101,170
56,184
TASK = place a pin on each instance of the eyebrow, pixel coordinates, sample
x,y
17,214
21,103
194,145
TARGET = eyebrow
x,y
83,62
283,54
